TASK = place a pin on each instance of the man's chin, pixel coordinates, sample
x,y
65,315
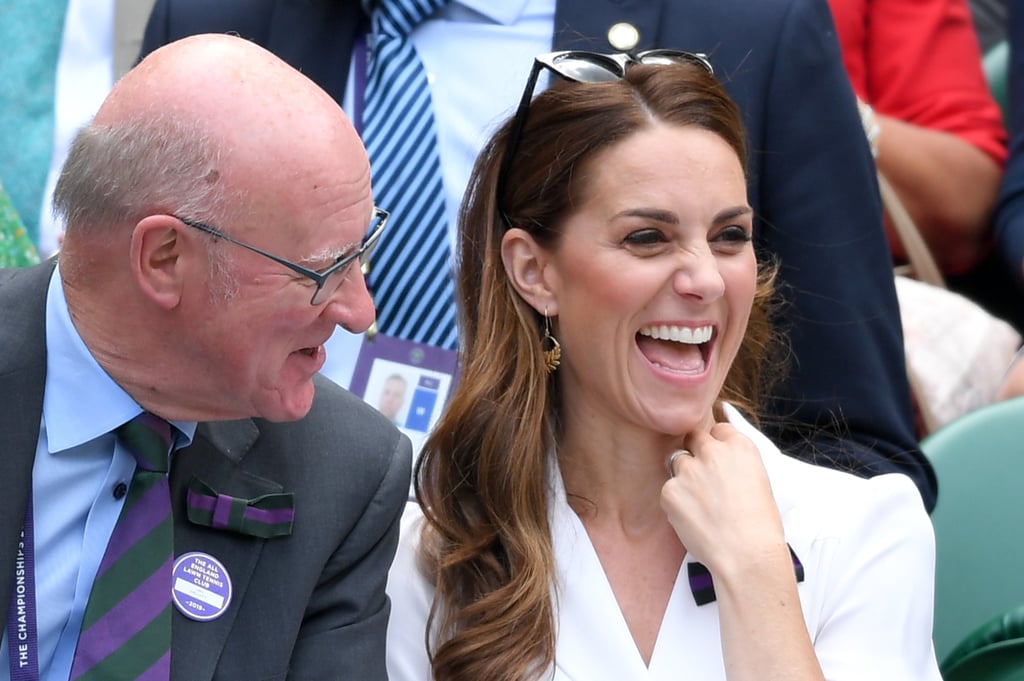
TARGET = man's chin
x,y
290,406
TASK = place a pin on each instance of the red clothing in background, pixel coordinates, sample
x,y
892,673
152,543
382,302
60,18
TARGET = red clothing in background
x,y
919,61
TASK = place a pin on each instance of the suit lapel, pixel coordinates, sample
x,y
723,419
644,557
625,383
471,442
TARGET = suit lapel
x,y
217,456
22,379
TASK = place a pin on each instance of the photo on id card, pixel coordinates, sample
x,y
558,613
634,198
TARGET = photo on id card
x,y
407,382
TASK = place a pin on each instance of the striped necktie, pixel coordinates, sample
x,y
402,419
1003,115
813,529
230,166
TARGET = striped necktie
x,y
126,632
410,276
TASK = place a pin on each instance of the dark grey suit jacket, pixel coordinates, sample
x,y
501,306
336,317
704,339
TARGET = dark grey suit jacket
x,y
846,402
308,606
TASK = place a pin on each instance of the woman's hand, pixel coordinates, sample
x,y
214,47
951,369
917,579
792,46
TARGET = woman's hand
x,y
720,502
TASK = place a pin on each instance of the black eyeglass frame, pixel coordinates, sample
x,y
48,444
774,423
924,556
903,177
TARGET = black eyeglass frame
x,y
610,67
380,217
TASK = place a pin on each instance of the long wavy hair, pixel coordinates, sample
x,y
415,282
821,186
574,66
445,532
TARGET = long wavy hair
x,y
482,478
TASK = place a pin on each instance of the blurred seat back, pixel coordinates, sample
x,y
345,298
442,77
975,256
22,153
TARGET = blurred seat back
x,y
978,519
993,652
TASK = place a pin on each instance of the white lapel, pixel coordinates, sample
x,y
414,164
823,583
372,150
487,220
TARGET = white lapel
x,y
594,642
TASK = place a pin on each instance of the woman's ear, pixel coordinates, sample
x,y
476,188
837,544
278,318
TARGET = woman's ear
x,y
529,268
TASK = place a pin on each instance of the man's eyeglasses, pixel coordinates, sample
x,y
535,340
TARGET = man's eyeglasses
x,y
585,67
339,266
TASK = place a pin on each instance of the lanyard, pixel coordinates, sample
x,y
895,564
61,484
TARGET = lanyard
x,y
22,637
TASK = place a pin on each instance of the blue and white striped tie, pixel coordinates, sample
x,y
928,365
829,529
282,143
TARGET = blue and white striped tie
x,y
410,275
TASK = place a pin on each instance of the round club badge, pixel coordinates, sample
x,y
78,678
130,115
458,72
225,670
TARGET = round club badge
x,y
201,586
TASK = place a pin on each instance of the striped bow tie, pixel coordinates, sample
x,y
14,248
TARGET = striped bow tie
x,y
266,516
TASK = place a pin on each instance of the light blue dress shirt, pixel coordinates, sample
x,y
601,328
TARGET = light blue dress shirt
x,y
471,96
78,463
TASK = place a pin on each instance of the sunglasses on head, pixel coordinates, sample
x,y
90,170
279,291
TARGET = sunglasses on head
x,y
586,67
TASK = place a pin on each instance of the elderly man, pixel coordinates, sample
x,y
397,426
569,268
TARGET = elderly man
x,y
217,210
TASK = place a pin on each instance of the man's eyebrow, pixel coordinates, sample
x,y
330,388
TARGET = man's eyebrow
x,y
328,255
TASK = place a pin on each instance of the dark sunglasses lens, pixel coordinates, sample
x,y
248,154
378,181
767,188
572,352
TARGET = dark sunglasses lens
x,y
582,69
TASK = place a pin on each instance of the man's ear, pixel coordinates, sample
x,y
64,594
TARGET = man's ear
x,y
528,268
157,263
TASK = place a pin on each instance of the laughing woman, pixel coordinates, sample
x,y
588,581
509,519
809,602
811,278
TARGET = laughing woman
x,y
596,502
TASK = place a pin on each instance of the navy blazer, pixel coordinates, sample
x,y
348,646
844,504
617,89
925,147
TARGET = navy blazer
x,y
846,401
1009,214
310,605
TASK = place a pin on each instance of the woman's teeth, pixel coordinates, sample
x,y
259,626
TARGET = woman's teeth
x,y
679,334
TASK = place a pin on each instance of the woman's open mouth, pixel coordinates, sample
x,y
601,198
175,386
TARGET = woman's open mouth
x,y
684,349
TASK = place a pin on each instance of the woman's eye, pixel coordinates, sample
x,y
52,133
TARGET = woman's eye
x,y
734,234
644,237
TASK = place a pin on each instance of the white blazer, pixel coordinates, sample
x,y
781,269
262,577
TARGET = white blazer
x,y
866,546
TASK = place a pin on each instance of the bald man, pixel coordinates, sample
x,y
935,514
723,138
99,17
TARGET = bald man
x,y
217,209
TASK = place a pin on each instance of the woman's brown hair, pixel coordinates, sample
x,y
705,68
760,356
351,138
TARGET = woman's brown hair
x,y
483,476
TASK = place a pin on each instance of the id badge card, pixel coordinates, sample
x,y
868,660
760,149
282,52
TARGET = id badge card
x,y
408,382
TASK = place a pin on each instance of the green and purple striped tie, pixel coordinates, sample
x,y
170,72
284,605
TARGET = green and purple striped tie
x,y
126,632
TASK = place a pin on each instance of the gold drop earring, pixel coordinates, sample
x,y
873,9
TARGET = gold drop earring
x,y
550,346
